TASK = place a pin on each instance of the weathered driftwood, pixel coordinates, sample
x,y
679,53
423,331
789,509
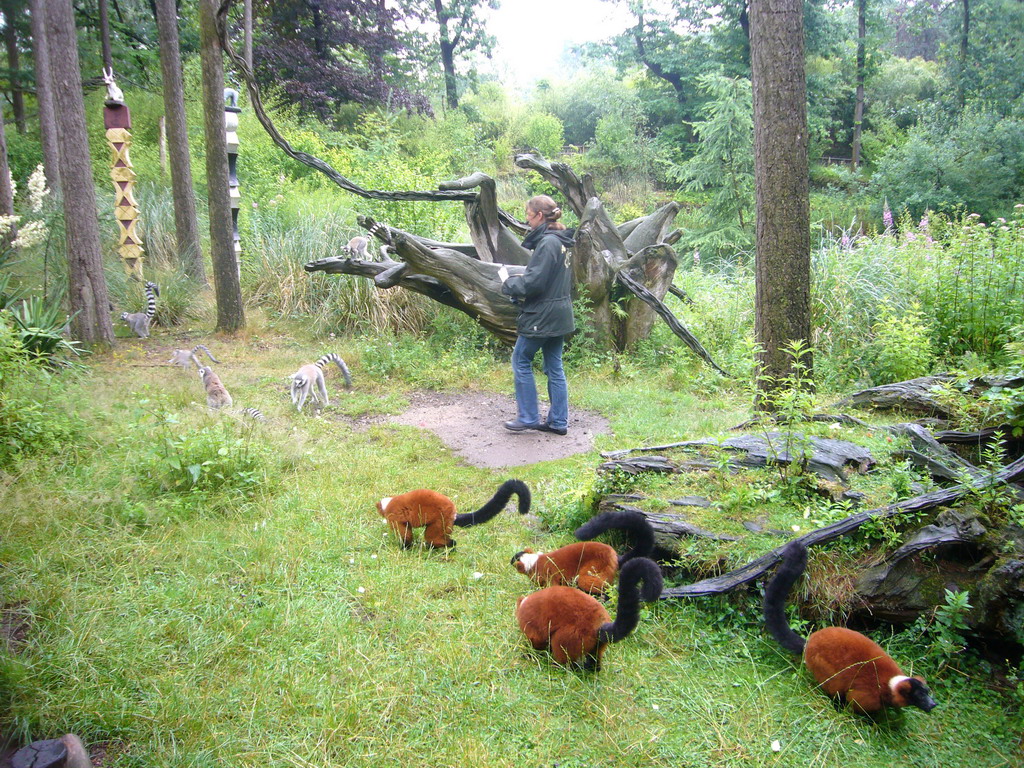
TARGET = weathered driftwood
x,y
825,418
913,395
673,323
964,557
667,525
825,457
727,582
640,464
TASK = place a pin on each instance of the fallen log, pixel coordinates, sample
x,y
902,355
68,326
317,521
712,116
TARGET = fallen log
x,y
729,581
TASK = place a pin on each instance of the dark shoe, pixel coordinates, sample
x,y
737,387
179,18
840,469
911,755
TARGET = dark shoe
x,y
520,426
554,430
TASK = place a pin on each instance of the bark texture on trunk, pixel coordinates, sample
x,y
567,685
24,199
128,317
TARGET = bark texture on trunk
x,y
87,284
230,310
14,65
44,97
782,272
186,222
858,107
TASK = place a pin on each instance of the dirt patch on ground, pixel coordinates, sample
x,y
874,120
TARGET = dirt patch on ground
x,y
470,424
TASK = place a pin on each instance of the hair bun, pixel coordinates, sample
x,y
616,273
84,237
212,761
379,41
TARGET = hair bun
x,y
556,213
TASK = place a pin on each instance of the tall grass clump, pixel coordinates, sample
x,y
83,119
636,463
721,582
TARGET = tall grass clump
x,y
720,312
924,291
282,237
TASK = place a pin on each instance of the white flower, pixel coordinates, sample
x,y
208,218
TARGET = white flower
x,y
7,224
33,233
37,190
776,745
477,575
796,527
351,561
373,557
655,707
361,590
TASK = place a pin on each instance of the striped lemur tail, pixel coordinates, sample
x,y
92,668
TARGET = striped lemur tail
x,y
209,354
630,594
633,521
254,413
794,561
336,359
497,503
152,291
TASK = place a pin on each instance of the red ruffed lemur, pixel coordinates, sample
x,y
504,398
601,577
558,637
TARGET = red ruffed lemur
x,y
846,664
575,627
588,565
435,513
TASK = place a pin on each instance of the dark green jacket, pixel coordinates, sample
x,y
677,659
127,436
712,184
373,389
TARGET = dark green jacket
x,y
544,290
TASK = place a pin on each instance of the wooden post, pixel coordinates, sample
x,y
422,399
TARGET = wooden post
x,y
118,122
231,110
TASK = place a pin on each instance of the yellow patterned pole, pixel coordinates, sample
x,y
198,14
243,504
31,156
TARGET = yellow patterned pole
x,y
118,122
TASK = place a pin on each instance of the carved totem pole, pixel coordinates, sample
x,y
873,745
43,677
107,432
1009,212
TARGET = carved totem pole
x,y
231,111
118,122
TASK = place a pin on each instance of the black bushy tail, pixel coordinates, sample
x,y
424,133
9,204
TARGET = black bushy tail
x,y
497,503
794,561
628,520
333,357
628,612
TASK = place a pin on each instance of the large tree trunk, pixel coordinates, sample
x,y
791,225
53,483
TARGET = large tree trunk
x,y
782,273
6,192
44,97
87,284
451,89
858,107
230,311
186,223
965,38
14,64
247,32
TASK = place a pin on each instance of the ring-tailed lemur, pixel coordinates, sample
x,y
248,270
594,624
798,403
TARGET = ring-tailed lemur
x,y
139,321
254,413
309,380
185,357
357,246
216,394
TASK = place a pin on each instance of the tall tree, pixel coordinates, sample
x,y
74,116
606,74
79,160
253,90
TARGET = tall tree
x,y
858,107
322,53
461,30
6,192
44,98
186,223
783,261
247,32
230,310
87,283
12,10
965,42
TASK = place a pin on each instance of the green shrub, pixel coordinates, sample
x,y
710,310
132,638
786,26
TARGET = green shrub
x,y
220,458
30,421
901,346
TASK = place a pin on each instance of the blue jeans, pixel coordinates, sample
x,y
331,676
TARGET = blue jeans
x,y
526,388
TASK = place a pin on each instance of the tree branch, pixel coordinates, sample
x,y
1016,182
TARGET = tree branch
x,y
727,582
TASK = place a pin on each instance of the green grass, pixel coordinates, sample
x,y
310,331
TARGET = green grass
x,y
280,624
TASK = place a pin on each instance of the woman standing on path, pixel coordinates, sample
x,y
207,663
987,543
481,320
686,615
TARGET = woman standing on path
x,y
543,293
